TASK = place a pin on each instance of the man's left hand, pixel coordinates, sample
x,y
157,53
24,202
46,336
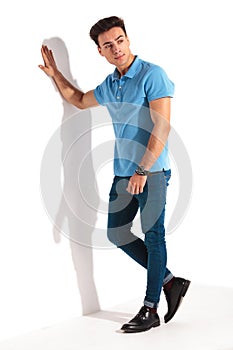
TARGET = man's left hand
x,y
136,184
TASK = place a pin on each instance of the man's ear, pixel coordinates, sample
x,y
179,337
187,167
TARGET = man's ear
x,y
99,50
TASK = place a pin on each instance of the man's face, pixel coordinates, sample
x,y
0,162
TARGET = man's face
x,y
114,46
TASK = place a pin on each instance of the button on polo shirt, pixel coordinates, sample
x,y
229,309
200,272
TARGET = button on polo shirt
x,y
127,99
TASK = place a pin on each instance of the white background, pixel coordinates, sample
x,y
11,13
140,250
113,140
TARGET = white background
x,y
192,41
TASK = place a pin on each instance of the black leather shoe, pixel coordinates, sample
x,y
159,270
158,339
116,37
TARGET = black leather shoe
x,y
175,295
143,321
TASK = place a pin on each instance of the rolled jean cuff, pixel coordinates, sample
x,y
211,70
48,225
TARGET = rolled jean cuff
x,y
167,278
151,304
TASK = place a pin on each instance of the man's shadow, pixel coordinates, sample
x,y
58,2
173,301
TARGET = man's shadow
x,y
74,218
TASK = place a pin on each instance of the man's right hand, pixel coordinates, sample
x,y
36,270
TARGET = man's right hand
x,y
49,67
68,91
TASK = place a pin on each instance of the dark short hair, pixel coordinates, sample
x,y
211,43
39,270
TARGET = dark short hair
x,y
105,24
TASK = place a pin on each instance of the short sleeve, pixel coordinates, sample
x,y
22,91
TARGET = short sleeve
x,y
98,92
157,84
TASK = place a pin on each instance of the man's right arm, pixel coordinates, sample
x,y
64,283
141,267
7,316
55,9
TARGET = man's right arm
x,y
69,92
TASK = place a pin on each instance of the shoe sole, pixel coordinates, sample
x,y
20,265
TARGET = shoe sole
x,y
140,330
182,294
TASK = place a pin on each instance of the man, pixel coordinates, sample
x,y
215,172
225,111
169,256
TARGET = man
x,y
138,96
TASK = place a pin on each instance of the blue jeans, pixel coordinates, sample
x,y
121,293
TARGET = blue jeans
x,y
150,252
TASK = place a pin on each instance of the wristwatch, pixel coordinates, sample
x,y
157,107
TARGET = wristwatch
x,y
141,171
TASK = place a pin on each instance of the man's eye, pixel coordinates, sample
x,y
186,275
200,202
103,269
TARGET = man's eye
x,y
108,46
120,41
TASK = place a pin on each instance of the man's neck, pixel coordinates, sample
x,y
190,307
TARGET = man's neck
x,y
124,70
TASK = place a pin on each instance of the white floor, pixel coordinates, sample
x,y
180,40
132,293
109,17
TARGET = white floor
x,y
204,321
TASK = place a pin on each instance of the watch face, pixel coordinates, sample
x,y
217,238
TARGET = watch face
x,y
141,170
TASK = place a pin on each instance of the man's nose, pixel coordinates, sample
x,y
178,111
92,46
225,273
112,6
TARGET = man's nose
x,y
115,48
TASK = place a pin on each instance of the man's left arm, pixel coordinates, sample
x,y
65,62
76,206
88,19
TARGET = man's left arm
x,y
160,115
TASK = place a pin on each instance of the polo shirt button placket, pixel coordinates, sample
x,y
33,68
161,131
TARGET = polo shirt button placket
x,y
119,93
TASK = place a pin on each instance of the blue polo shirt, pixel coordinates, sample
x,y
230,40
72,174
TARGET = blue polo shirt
x,y
127,99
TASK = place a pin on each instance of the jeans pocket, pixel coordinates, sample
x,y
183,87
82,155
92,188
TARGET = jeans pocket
x,y
153,209
167,176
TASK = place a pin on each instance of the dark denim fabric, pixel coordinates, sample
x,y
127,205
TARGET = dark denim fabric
x,y
149,252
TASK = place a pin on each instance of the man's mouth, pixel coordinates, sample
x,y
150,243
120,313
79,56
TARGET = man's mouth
x,y
119,57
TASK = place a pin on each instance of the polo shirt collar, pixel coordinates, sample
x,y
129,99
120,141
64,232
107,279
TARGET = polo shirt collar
x,y
130,73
